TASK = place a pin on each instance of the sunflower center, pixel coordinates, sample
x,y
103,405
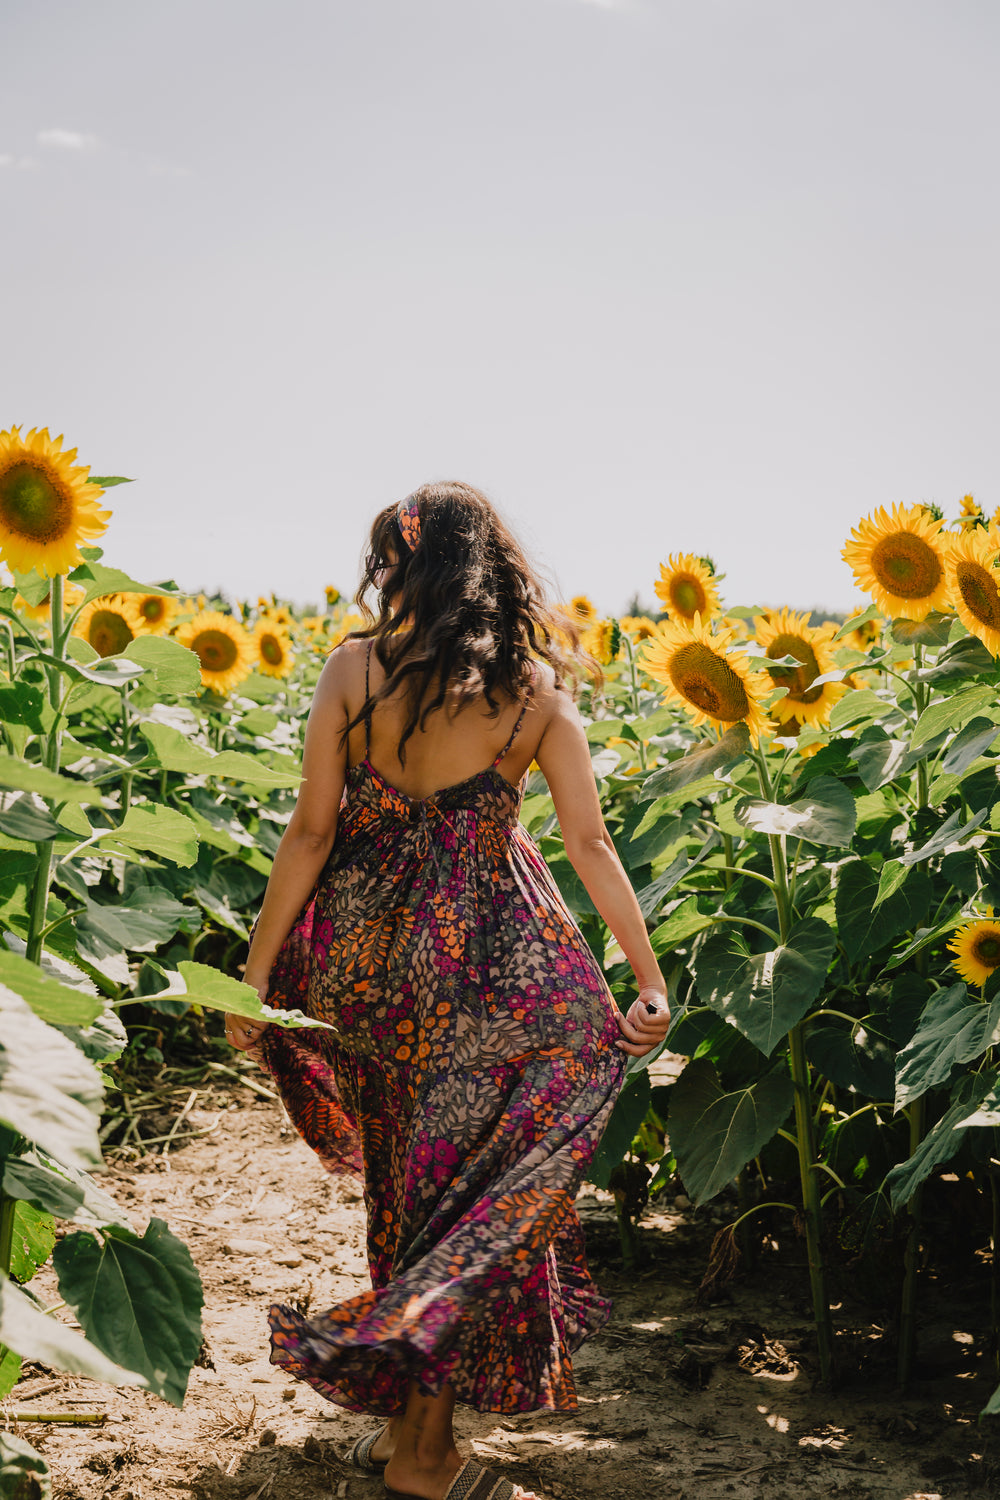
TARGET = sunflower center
x,y
986,949
153,609
216,650
270,650
108,632
979,592
709,682
906,566
795,679
687,595
33,505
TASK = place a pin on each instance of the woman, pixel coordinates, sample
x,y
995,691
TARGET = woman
x,y
475,1052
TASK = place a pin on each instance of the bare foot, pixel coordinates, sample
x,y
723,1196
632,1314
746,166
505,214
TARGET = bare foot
x,y
426,1481
385,1443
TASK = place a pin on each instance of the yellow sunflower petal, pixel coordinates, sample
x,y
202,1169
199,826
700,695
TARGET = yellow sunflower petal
x,y
900,559
157,612
974,579
274,649
109,623
784,633
47,508
223,647
976,946
685,588
712,683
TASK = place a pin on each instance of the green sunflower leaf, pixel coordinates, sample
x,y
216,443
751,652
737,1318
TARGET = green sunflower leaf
x,y
23,776
174,668
97,580
953,1029
867,920
871,613
44,1339
214,990
707,760
33,1239
49,1092
714,1134
156,829
826,814
138,1300
764,994
952,831
977,736
935,630
950,713
943,1140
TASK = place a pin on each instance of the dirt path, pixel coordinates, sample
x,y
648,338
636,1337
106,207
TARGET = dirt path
x,y
675,1400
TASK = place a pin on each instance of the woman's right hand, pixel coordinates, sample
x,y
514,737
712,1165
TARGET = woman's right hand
x,y
243,1033
646,1022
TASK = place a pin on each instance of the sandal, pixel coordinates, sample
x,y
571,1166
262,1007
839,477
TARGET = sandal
x,y
360,1455
472,1482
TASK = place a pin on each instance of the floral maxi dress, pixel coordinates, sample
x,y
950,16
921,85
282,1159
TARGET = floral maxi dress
x,y
468,1077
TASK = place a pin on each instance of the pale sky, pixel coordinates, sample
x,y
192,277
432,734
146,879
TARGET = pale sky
x,y
659,275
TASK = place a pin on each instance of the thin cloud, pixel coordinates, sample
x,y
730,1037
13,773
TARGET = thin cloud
x,y
67,140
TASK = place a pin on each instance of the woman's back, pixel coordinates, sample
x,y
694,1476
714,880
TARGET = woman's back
x,y
453,745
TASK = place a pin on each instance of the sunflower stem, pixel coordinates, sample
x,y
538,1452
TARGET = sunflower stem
x,y
127,779
634,694
749,922
805,1133
8,640
916,1113
53,749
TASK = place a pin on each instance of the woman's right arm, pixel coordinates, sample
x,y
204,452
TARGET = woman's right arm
x,y
564,757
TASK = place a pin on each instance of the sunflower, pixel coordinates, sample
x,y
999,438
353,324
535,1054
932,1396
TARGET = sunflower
x,y
685,587
973,578
332,595
788,634
222,646
976,946
109,623
581,610
157,612
274,649
711,682
639,627
47,508
899,559
276,614
971,513
603,641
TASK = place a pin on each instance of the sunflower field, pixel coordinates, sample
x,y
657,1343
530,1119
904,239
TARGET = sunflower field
x,y
807,812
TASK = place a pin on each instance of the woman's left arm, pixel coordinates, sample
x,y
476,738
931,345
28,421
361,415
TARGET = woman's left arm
x,y
306,843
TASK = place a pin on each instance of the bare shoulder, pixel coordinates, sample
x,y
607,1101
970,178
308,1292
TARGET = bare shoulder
x,y
550,700
344,669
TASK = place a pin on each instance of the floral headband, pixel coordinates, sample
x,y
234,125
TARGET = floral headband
x,y
408,520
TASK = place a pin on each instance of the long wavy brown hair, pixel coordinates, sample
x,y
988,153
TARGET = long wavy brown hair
x,y
461,617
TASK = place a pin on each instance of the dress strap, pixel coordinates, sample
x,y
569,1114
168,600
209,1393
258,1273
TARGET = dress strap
x,y
368,715
513,733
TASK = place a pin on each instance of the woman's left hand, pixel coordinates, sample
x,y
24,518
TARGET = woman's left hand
x,y
242,1032
645,1024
